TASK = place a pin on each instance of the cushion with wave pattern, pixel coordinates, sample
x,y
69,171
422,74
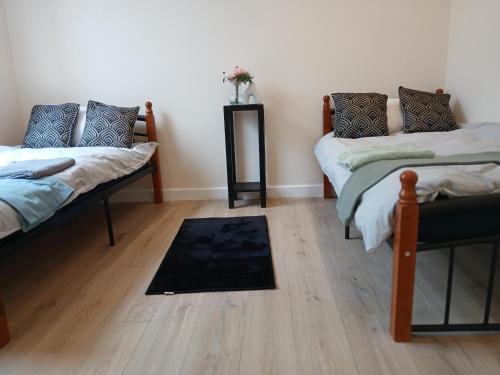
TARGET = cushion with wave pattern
x,y
359,115
51,125
425,111
108,126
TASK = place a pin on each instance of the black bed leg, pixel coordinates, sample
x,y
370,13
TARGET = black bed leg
x,y
346,232
109,223
449,285
491,283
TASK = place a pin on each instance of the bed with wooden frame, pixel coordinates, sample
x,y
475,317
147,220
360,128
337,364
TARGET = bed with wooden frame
x,y
423,227
100,193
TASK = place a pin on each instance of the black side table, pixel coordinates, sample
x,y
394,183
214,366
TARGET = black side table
x,y
233,187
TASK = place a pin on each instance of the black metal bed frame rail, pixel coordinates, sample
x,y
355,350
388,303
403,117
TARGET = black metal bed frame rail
x,y
100,193
446,326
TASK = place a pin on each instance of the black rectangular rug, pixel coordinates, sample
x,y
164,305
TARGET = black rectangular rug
x,y
217,254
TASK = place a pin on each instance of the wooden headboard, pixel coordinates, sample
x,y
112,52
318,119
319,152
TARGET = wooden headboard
x,y
151,136
328,112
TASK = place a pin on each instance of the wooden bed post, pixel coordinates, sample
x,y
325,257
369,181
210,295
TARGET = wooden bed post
x,y
327,128
4,328
151,129
404,258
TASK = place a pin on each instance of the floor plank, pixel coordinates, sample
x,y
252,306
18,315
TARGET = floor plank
x,y
77,306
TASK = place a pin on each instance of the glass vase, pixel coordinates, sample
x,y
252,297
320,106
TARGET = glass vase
x,y
236,98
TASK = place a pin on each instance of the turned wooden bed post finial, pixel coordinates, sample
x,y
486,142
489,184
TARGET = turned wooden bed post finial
x,y
408,193
152,137
439,91
404,257
327,115
327,128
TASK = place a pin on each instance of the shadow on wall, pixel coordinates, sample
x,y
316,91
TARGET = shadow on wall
x,y
457,110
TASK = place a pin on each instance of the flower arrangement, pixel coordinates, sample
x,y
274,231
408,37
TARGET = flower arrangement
x,y
237,76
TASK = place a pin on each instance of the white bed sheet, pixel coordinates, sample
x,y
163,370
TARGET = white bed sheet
x,y
375,212
93,166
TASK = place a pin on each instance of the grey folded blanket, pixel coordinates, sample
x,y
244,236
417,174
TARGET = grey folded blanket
x,y
35,169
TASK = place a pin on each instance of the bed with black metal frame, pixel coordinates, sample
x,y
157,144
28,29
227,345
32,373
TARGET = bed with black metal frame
x,y
100,193
442,224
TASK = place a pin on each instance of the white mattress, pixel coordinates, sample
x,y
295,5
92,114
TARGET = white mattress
x,y
93,166
374,214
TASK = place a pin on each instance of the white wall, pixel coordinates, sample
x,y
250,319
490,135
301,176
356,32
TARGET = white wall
x,y
10,111
173,53
473,74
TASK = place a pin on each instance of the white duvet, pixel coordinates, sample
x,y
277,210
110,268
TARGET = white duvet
x,y
93,166
375,212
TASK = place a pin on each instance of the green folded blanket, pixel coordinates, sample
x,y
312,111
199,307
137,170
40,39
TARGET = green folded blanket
x,y
360,156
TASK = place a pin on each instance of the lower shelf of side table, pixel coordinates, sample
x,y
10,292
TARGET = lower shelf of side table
x,y
246,186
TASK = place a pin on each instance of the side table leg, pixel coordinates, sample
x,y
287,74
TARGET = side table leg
x,y
262,158
228,124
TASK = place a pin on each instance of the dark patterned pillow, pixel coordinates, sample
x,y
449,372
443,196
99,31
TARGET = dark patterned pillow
x,y
425,111
51,125
108,126
360,115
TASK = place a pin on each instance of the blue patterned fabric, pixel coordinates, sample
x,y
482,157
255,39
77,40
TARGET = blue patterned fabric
x,y
108,126
34,200
51,125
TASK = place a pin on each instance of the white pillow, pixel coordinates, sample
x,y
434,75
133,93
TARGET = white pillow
x,y
80,125
394,117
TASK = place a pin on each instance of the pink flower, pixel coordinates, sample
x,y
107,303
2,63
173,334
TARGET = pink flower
x,y
237,71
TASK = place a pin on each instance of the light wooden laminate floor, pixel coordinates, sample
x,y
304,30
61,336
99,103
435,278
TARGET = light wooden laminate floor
x,y
77,306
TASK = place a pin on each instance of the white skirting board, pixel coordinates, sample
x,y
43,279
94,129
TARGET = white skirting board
x,y
286,191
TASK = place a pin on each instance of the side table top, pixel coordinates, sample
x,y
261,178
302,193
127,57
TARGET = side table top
x,y
243,107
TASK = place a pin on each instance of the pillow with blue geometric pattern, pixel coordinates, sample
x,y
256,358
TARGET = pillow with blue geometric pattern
x,y
426,111
51,125
359,115
108,126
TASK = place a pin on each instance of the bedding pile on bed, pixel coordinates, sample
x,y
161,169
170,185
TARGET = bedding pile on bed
x,y
374,214
365,178
93,166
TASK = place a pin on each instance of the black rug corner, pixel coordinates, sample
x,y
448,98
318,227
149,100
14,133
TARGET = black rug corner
x,y
217,254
